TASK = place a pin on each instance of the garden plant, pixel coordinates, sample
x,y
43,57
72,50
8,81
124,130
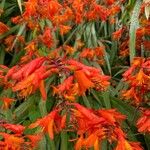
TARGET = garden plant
x,y
74,74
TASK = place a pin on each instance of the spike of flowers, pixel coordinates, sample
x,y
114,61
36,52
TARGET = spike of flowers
x,y
84,78
17,129
44,26
143,123
93,126
3,28
137,78
52,123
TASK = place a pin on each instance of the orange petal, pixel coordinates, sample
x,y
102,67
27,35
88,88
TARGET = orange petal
x,y
24,84
50,129
42,90
83,81
79,143
96,145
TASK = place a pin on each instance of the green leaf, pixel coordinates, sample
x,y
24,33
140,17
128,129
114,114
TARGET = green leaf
x,y
147,140
131,112
22,110
20,5
86,101
2,4
106,99
2,55
64,141
20,32
42,107
147,12
16,58
133,27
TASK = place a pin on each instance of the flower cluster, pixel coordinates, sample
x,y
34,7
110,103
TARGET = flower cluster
x,y
15,139
137,77
59,55
91,126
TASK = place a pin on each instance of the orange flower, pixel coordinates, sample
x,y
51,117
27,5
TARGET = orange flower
x,y
3,28
83,81
42,90
78,6
31,47
30,8
91,140
131,94
9,41
47,37
30,84
68,49
110,2
87,53
6,102
79,143
135,145
141,78
30,77
72,92
112,116
99,51
64,29
47,123
26,70
125,145
34,139
101,82
80,44
146,45
88,77
143,122
86,113
13,142
54,7
102,11
97,125
67,89
66,85
61,19
17,129
117,34
114,10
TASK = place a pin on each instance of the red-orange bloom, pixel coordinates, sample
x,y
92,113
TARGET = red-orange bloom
x,y
110,2
49,124
13,142
117,34
3,28
24,71
30,8
112,116
17,129
97,125
6,102
34,139
30,77
114,10
102,11
66,85
47,37
83,81
64,29
31,83
143,123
